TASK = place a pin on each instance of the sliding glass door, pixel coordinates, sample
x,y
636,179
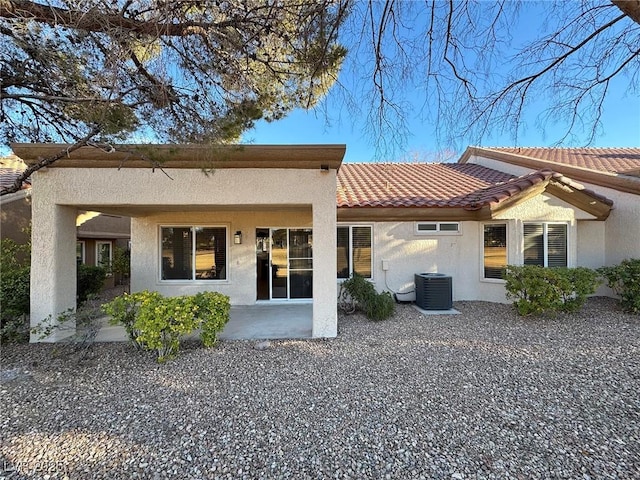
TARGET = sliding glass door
x,y
284,261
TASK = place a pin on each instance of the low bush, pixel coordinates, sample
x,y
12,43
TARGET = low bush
x,y
75,329
376,306
15,330
624,280
90,280
157,323
14,292
537,290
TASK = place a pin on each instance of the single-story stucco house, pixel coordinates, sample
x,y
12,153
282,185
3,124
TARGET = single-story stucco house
x,y
260,223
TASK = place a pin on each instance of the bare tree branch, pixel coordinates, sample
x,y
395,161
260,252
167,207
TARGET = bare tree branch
x,y
631,8
45,162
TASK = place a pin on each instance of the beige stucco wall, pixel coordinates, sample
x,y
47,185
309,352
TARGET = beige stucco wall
x,y
240,284
461,256
226,196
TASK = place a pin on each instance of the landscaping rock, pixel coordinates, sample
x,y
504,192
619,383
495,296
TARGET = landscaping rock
x,y
485,395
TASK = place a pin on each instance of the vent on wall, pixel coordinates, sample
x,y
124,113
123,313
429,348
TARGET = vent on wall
x,y
433,291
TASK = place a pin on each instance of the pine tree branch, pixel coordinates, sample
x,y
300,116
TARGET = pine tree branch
x,y
45,162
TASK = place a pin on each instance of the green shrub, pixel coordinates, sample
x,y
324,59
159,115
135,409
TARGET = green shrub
x,y
14,256
537,290
14,292
124,309
624,280
528,286
583,282
14,279
90,280
380,307
157,323
376,306
15,330
121,264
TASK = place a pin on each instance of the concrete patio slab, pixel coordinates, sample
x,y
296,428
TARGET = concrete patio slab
x,y
451,311
247,322
269,321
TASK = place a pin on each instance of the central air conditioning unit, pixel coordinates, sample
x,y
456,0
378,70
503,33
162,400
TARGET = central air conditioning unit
x,y
434,291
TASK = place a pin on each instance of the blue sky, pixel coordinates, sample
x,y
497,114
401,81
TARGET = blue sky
x,y
620,122
621,125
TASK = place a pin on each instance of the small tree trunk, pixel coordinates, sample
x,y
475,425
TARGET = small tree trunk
x,y
630,8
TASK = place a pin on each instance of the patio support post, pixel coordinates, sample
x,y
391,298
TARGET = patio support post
x,y
53,263
325,309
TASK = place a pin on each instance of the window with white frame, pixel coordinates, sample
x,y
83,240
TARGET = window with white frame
x,y
193,253
495,250
354,252
545,244
104,254
440,228
80,252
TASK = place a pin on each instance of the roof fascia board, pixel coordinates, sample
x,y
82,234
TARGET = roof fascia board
x,y
579,199
12,197
189,156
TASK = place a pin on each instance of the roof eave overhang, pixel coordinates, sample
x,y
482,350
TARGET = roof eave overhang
x,y
12,197
563,191
603,179
579,199
310,157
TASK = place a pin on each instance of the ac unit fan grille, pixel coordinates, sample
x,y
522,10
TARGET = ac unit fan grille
x,y
434,291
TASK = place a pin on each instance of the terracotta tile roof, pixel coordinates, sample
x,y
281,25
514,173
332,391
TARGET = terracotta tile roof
x,y
613,160
440,185
412,184
10,168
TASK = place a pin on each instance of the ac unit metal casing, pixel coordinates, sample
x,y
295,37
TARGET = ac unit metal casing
x,y
434,291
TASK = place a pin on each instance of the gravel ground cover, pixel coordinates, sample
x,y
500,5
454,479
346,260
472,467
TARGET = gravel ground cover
x,y
484,394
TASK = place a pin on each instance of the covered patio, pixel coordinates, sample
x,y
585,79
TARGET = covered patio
x,y
254,222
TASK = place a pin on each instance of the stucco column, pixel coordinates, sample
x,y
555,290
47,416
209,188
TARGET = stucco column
x,y
325,308
53,262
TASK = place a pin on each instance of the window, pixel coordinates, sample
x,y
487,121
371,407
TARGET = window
x,y
354,251
427,228
194,253
495,250
80,255
545,244
103,254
